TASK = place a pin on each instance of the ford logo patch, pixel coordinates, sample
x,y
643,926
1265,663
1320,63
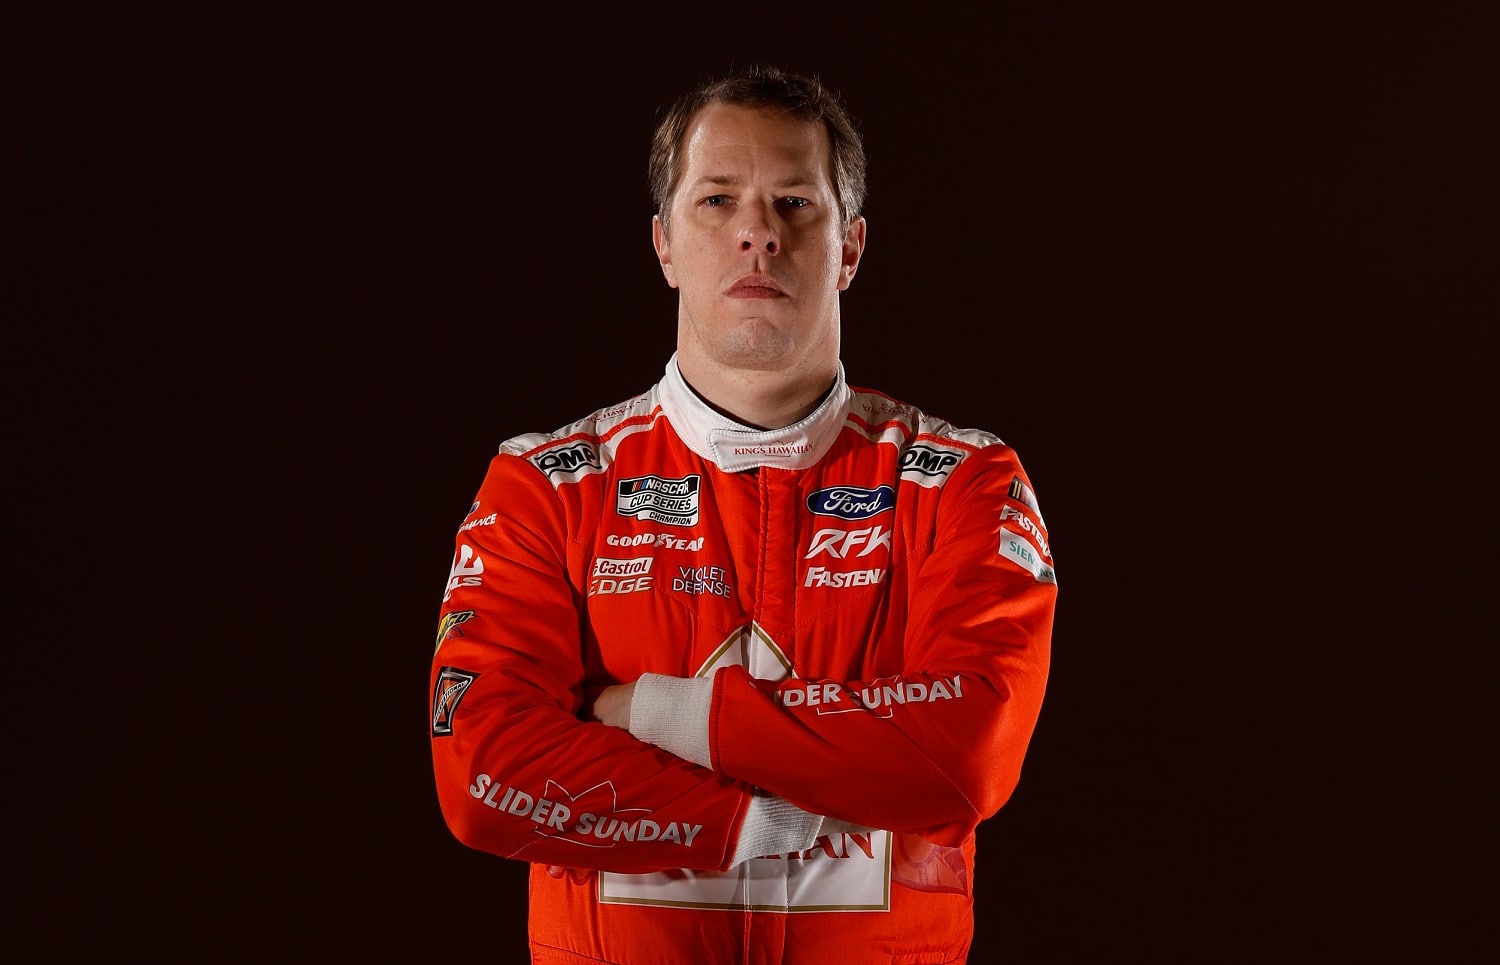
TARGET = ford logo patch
x,y
852,502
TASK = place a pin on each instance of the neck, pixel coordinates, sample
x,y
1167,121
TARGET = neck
x,y
759,399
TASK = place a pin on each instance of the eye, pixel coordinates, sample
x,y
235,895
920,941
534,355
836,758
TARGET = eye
x,y
795,202
716,200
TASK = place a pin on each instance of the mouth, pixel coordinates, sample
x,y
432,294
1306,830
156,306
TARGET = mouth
x,y
755,286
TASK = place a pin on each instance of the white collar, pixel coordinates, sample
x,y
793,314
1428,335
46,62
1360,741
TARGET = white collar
x,y
734,446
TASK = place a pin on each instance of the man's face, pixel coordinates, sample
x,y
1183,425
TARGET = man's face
x,y
754,243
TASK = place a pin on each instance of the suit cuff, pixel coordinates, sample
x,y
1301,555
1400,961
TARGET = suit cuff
x,y
773,825
672,713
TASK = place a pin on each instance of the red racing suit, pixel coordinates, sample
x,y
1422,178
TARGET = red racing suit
x,y
839,633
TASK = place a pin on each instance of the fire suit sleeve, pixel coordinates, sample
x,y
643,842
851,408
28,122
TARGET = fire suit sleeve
x,y
518,773
938,747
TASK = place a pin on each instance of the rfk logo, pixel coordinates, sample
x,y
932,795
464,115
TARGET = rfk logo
x,y
840,543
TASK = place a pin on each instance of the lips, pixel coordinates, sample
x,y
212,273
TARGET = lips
x,y
756,286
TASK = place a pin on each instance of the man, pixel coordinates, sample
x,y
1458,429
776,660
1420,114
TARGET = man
x,y
740,664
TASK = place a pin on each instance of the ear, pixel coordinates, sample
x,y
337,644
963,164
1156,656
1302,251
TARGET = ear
x,y
663,250
854,248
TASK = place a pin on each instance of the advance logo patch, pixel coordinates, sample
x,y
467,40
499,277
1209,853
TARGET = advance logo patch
x,y
452,684
661,500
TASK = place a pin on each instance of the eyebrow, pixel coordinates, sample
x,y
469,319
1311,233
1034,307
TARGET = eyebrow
x,y
795,181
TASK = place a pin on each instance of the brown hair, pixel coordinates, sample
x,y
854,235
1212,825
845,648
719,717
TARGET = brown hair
x,y
771,88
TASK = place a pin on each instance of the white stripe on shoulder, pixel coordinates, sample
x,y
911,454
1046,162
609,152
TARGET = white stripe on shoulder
x,y
586,446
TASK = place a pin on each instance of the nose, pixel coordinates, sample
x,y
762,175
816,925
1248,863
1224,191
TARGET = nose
x,y
758,231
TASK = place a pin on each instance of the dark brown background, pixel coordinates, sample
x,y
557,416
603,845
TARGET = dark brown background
x,y
286,279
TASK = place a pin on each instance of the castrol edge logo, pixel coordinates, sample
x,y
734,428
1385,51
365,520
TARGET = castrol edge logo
x,y
611,576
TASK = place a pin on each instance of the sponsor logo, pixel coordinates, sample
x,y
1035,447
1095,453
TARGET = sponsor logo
x,y
567,458
929,460
449,623
765,450
452,684
472,509
886,408
481,521
664,541
840,543
670,501
616,410
1010,512
886,693
613,585
699,580
1022,493
849,871
852,502
1018,550
632,567
465,570
821,577
592,819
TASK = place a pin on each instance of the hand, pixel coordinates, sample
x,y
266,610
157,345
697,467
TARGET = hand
x,y
612,705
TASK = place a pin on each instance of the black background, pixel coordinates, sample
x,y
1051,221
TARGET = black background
x,y
284,278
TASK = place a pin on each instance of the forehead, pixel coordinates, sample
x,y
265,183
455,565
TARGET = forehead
x,y
726,140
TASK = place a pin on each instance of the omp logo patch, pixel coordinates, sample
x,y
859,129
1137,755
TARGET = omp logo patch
x,y
448,622
567,458
452,684
928,460
851,502
661,500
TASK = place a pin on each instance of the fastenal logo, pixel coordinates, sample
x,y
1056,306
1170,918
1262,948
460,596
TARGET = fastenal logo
x,y
1010,512
670,501
567,458
929,460
452,684
819,576
852,502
